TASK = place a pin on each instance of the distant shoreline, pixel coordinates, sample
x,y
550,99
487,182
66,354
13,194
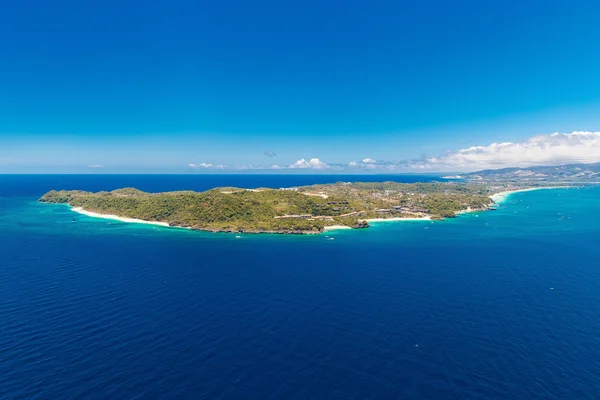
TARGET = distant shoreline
x,y
500,197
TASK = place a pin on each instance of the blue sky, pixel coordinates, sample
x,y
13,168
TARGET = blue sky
x,y
158,85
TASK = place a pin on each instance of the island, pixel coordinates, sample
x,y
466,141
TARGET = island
x,y
296,210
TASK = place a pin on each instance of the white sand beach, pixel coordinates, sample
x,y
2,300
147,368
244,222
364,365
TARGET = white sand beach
x,y
502,196
336,227
428,218
497,198
469,210
115,217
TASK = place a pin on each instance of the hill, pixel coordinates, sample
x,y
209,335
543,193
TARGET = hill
x,y
559,173
308,209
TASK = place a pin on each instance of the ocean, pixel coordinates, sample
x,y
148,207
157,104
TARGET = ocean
x,y
491,305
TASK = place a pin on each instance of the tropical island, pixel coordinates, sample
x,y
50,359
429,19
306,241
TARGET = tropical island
x,y
298,210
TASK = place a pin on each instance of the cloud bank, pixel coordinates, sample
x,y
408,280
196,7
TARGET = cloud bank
x,y
552,149
205,165
549,149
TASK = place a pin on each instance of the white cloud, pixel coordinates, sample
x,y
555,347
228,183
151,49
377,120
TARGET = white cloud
x,y
420,166
313,163
552,149
205,165
302,163
95,166
549,149
371,164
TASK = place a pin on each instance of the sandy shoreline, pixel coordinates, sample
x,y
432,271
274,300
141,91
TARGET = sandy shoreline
x,y
501,196
398,219
335,227
80,210
497,198
470,210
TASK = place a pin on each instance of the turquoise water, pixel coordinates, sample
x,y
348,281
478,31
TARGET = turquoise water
x,y
502,304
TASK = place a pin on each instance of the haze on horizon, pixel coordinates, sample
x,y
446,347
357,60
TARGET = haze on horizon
x,y
335,87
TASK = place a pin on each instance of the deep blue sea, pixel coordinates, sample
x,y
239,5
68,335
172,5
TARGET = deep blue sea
x,y
497,305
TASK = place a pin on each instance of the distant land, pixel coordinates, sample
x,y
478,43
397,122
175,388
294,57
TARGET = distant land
x,y
316,208
575,173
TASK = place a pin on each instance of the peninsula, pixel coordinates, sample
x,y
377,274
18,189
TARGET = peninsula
x,y
300,210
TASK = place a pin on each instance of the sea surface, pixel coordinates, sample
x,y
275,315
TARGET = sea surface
x,y
492,305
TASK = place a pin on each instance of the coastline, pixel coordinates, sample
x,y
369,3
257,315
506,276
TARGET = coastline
x,y
472,210
500,197
376,220
80,210
497,198
335,227
427,218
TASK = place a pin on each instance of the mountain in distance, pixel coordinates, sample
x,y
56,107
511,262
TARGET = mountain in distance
x,y
557,173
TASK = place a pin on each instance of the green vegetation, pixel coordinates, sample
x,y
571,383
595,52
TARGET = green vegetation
x,y
296,210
